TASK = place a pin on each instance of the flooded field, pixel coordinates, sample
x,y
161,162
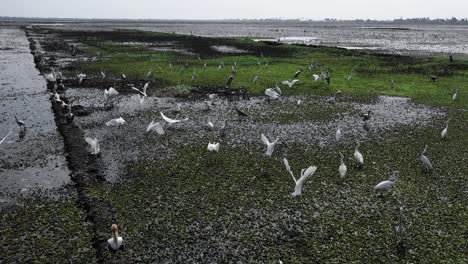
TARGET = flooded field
x,y
387,38
174,201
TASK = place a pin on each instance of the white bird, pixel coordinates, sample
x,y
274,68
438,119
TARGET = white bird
x,y
213,147
210,124
110,92
81,77
388,183
115,242
103,74
454,97
271,93
94,147
255,79
358,156
445,131
316,77
5,137
290,83
270,145
144,89
124,76
305,173
342,169
299,101
427,165
170,120
57,97
116,122
155,126
338,134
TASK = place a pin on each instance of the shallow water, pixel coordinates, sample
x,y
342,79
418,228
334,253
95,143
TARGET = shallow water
x,y
34,159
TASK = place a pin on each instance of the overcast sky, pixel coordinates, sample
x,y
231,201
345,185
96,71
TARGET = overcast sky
x,y
225,9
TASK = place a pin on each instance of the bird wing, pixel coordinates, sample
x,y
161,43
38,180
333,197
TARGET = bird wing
x,y
383,185
145,87
310,171
265,141
136,89
167,119
286,83
270,93
294,81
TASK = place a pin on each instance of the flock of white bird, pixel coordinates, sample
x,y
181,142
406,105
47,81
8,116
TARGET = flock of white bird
x,y
115,242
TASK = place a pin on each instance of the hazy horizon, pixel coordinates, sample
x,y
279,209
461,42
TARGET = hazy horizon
x,y
228,10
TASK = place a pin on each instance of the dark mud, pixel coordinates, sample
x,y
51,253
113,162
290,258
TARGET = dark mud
x,y
85,173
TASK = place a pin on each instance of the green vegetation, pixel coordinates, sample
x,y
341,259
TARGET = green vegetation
x,y
371,74
223,207
43,230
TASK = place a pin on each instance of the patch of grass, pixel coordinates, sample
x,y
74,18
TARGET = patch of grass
x,y
42,230
371,74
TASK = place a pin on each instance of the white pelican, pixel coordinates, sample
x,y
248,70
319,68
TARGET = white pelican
x,y
454,97
342,169
358,156
20,123
427,165
170,120
111,91
155,126
270,145
5,137
271,93
116,122
338,134
94,147
290,83
305,173
445,131
388,183
115,242
213,147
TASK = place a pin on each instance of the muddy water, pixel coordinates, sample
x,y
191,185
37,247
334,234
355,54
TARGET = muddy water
x,y
33,159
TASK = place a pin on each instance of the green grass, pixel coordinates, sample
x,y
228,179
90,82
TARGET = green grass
x,y
43,230
372,74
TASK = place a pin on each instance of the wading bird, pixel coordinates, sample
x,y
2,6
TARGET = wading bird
x,y
145,87
255,79
81,77
270,145
115,242
454,97
366,116
387,183
110,92
445,131
5,137
230,79
296,75
338,134
358,156
116,122
155,126
342,169
272,93
20,123
170,120
426,163
213,147
334,98
290,83
93,145
305,173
